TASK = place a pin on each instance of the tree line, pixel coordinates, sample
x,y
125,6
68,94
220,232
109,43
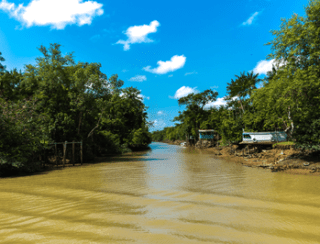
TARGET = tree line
x,y
59,100
286,99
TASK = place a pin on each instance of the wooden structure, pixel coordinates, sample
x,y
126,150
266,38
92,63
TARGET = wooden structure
x,y
57,157
190,140
206,134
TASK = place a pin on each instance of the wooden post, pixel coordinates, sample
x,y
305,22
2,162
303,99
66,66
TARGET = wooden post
x,y
64,153
55,154
81,153
242,152
73,153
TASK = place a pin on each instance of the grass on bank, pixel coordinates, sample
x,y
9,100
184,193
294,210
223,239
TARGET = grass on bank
x,y
284,143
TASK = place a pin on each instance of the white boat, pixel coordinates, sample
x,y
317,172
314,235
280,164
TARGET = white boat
x,y
263,137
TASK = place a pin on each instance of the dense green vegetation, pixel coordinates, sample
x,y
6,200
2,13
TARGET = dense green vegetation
x,y
287,99
60,100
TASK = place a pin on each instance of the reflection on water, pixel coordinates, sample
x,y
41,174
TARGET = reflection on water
x,y
167,195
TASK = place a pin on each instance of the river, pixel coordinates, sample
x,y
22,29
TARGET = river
x,y
167,195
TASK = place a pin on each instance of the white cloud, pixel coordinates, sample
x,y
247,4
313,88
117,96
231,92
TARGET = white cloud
x,y
176,62
5,6
160,113
138,78
251,19
191,73
264,66
54,13
214,87
170,75
138,34
220,102
184,91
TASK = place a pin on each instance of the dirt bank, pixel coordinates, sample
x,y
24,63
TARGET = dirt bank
x,y
176,142
287,160
284,159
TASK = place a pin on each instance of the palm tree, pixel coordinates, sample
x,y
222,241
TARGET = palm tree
x,y
242,86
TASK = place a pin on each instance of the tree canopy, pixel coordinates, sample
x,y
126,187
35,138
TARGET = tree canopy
x,y
59,100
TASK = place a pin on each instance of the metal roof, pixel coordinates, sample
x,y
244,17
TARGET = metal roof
x,y
209,130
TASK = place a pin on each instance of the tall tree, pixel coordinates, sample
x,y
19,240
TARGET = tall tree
x,y
2,67
242,87
74,95
195,112
297,45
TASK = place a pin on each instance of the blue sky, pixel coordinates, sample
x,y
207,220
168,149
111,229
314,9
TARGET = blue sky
x,y
166,49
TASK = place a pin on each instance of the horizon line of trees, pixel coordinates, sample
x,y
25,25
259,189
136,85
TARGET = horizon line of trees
x,y
59,100
288,99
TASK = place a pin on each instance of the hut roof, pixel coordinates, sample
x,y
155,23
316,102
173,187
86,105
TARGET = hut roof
x,y
209,130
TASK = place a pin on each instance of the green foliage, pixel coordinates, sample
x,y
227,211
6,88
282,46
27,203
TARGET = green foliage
x,y
158,135
296,45
24,133
9,80
284,143
2,67
59,100
109,142
199,99
141,137
195,113
230,127
127,118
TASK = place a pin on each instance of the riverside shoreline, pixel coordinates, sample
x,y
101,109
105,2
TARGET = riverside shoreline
x,y
282,159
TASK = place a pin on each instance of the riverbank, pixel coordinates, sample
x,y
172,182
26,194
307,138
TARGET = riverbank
x,y
176,142
284,159
287,160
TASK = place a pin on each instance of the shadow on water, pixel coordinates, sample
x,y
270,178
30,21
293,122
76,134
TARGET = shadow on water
x,y
115,158
41,171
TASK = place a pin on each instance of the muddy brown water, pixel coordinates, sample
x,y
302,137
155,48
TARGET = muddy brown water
x,y
167,195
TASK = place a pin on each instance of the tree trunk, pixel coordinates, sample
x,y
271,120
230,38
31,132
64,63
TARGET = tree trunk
x,y
91,132
80,122
241,105
291,124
